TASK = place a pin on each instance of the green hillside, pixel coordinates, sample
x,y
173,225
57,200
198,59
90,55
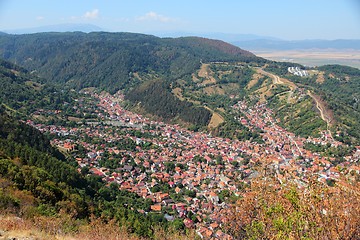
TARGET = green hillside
x,y
17,89
22,93
338,87
105,60
157,99
341,91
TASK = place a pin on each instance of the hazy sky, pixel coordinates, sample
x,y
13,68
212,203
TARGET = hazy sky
x,y
286,19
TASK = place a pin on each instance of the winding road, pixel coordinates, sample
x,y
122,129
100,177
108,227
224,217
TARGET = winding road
x,y
277,80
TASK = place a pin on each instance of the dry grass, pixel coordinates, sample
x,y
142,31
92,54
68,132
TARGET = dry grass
x,y
194,78
161,234
326,114
288,211
254,80
214,90
15,228
178,93
216,120
40,117
206,73
320,78
98,230
45,228
62,228
74,119
288,83
221,110
136,74
210,80
223,73
264,91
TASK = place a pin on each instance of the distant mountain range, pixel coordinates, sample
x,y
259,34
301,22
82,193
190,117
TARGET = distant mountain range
x,y
251,42
227,37
68,27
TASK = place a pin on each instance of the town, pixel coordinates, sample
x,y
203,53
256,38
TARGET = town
x,y
187,175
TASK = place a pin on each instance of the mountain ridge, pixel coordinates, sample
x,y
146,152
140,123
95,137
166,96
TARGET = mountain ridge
x,y
109,58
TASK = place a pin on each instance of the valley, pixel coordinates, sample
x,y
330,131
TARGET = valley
x,y
152,159
179,134
180,170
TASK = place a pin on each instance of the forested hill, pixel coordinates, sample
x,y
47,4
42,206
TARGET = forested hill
x,y
18,87
106,60
22,92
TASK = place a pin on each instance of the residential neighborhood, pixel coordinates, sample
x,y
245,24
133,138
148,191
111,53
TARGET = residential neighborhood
x,y
188,175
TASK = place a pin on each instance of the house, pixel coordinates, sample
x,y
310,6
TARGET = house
x,y
168,201
97,172
213,197
214,225
188,223
156,207
128,168
207,233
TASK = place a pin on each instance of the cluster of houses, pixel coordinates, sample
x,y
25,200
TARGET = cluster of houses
x,y
204,165
287,151
298,72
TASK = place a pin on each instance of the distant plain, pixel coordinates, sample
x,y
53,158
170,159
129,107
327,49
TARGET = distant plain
x,y
313,57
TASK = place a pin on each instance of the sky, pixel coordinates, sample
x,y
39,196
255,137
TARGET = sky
x,y
284,19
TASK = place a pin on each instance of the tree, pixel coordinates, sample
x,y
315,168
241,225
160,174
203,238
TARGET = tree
x,y
270,210
178,224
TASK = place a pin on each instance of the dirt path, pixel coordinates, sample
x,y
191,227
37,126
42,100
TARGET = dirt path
x,y
290,96
322,111
277,80
319,105
321,108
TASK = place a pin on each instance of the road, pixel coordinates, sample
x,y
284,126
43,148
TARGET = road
x,y
276,79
